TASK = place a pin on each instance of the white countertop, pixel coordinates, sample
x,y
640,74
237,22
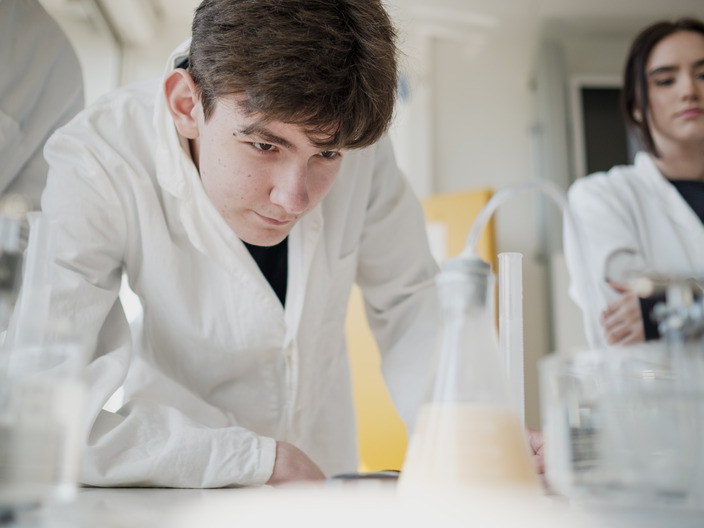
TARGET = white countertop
x,y
359,504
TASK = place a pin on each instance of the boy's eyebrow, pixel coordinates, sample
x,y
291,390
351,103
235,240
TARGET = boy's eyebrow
x,y
266,134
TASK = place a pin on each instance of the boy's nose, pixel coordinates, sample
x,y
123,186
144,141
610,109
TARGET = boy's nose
x,y
290,191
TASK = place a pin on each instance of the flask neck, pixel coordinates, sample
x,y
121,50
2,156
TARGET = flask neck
x,y
466,285
469,369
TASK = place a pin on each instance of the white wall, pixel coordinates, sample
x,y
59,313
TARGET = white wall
x,y
97,52
109,58
147,61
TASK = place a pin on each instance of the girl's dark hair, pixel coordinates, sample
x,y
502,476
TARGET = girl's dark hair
x,y
634,94
327,65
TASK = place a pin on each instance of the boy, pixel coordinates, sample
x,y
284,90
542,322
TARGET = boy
x,y
241,202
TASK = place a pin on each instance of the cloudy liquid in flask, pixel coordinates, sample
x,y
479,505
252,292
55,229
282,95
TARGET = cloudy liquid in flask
x,y
468,445
468,434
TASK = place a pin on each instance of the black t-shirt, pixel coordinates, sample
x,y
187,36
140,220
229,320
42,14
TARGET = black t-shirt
x,y
273,263
693,193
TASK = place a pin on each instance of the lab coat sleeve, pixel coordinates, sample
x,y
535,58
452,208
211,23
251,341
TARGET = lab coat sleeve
x,y
601,246
396,274
144,443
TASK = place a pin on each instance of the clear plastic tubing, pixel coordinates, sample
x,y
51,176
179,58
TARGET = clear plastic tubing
x,y
552,191
511,324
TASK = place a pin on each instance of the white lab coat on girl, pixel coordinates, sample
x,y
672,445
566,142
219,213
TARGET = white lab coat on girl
x,y
633,221
217,370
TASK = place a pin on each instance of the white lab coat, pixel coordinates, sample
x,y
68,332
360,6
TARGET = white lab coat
x,y
633,221
217,369
41,88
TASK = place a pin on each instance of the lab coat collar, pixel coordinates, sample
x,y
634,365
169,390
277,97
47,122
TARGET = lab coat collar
x,y
303,241
673,204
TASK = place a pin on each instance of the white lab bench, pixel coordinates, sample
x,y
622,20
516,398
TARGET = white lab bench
x,y
358,505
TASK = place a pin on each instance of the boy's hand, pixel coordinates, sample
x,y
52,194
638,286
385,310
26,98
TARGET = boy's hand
x,y
293,465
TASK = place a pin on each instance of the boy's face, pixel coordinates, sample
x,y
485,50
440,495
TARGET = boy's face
x,y
261,181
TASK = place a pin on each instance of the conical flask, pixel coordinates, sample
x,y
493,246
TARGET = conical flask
x,y
468,433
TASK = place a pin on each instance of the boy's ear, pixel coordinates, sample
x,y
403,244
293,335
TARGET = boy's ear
x,y
181,99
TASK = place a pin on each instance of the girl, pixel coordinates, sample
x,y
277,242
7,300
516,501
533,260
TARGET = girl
x,y
648,217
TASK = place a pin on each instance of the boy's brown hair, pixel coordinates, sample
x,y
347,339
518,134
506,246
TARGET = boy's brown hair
x,y
327,65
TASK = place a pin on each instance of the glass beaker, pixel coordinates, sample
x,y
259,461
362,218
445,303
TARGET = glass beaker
x,y
623,425
571,388
41,413
468,433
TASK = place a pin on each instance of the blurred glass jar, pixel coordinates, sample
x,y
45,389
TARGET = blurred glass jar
x,y
13,241
41,413
42,363
624,425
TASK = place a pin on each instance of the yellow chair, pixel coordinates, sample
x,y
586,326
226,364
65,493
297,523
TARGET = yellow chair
x,y
382,437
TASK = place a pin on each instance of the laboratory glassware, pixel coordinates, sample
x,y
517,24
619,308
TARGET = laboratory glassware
x,y
468,434
624,425
42,391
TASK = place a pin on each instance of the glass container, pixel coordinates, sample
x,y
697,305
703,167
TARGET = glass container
x,y
468,433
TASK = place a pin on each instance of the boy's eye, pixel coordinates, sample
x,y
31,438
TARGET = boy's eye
x,y
329,154
264,147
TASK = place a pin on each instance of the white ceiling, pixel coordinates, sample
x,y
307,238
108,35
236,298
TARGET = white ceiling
x,y
137,21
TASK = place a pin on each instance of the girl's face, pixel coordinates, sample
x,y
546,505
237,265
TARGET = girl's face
x,y
675,77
